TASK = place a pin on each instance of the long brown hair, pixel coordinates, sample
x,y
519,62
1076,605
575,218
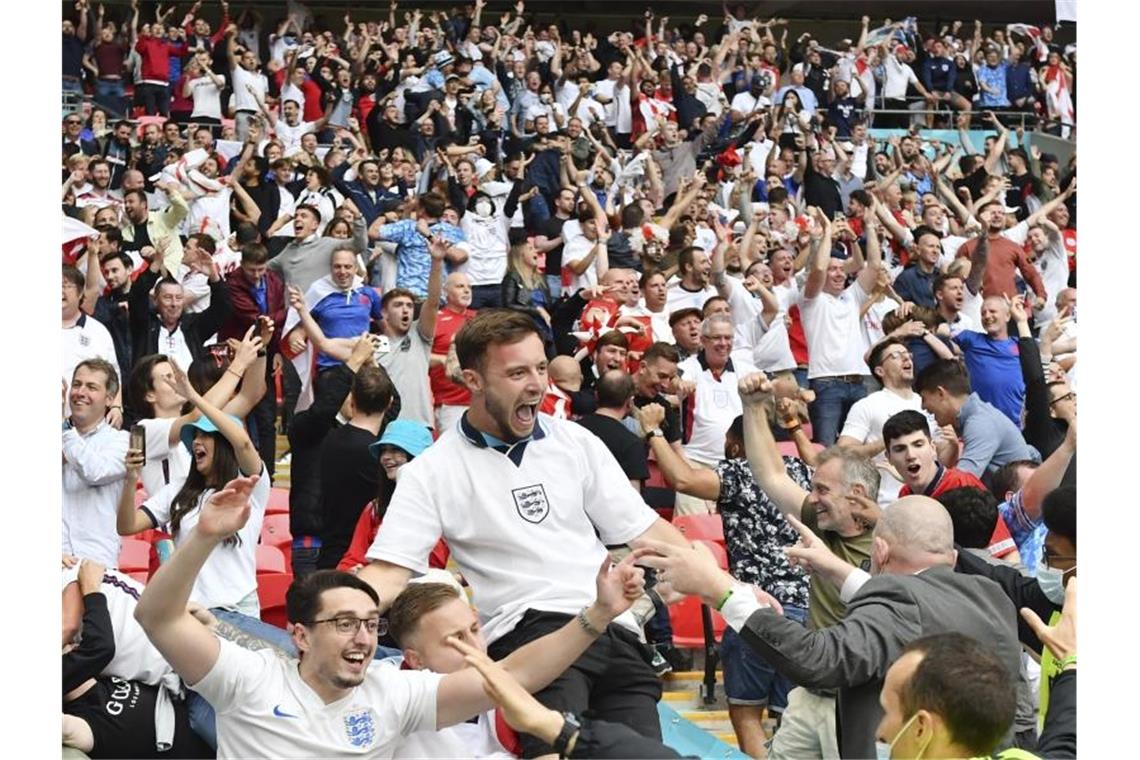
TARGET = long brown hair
x,y
223,469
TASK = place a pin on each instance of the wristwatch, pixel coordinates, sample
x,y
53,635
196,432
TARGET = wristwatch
x,y
570,729
652,432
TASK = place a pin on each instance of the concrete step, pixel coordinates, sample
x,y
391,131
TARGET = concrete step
x,y
713,721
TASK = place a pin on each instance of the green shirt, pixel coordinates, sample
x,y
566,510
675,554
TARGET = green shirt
x,y
826,609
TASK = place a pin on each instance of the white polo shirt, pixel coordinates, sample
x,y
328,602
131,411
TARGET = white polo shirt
x,y
264,709
710,410
88,338
834,333
520,525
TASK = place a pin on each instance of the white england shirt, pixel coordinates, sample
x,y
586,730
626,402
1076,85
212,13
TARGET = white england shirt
x,y
264,709
520,525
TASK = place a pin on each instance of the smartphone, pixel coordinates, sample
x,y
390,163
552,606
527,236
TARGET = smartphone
x,y
138,439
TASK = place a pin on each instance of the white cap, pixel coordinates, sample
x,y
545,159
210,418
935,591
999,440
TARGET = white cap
x,y
798,68
482,166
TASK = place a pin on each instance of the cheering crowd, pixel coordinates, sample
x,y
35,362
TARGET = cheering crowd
x,y
530,299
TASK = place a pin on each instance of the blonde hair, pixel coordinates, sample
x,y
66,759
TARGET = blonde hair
x,y
515,263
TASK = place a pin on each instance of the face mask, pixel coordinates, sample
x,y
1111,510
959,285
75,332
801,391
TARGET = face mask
x,y
484,208
1052,582
547,98
883,749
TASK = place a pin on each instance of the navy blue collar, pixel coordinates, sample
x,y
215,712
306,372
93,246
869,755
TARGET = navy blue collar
x,y
933,484
513,451
705,365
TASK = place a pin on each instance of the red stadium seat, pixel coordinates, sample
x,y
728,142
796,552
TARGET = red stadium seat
x,y
688,630
271,588
134,556
701,527
278,501
270,559
275,532
140,575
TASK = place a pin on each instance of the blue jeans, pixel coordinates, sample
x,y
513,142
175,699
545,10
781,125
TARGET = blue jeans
x,y
748,678
304,559
70,84
111,94
203,720
833,399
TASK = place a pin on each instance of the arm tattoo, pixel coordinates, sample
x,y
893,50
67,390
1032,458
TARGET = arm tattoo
x,y
232,633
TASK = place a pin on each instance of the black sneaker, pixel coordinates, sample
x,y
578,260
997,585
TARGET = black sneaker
x,y
679,659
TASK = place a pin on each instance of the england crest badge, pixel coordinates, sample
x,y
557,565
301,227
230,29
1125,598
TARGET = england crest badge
x,y
360,728
531,503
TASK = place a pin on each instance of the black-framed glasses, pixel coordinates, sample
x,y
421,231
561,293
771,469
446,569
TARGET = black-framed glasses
x,y
1070,395
1050,558
72,122
348,626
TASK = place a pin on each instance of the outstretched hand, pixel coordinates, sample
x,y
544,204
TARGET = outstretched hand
x,y
1061,639
619,585
227,511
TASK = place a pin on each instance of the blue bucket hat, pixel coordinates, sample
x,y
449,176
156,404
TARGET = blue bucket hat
x,y
412,437
202,423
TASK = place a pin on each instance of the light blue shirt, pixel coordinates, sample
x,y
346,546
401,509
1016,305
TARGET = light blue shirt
x,y
994,78
991,439
807,97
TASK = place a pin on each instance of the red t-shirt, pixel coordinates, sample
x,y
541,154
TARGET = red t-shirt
x,y
1001,542
365,533
1070,238
443,390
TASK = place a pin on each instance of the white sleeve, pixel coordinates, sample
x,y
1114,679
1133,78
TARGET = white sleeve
x,y
159,505
613,505
858,426
744,308
412,524
413,696
237,675
1017,233
158,437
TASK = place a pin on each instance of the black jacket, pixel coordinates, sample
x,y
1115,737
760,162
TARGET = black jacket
x,y
196,328
1021,590
514,294
307,434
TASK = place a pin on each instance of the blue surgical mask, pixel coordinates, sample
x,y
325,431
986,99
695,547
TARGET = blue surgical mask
x,y
1052,582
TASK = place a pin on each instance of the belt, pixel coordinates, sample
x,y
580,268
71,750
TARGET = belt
x,y
842,378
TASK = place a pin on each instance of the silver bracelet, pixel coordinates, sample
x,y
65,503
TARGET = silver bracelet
x,y
585,623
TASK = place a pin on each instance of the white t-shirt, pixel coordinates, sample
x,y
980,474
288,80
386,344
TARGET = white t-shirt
x,y
290,137
207,98
745,103
243,101
679,297
897,77
619,112
865,424
230,573
1053,264
165,464
521,527
576,250
767,345
715,404
264,709
287,207
834,333
478,739
488,242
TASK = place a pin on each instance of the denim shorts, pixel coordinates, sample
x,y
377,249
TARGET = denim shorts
x,y
748,678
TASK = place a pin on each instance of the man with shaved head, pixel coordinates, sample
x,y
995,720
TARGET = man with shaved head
x,y
912,592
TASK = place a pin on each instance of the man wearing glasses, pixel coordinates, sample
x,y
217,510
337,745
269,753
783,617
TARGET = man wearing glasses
x,y
893,366
327,703
72,141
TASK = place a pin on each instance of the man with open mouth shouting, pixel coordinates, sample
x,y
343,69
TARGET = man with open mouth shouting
x,y
527,505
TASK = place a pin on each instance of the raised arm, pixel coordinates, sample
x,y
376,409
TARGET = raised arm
x,y
760,447
429,314
820,256
682,476
190,647
249,461
870,271
998,148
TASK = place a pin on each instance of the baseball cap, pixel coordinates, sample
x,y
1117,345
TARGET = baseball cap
x,y
413,437
443,58
798,68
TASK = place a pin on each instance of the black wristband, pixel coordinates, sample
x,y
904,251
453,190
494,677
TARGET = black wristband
x,y
262,352
570,727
